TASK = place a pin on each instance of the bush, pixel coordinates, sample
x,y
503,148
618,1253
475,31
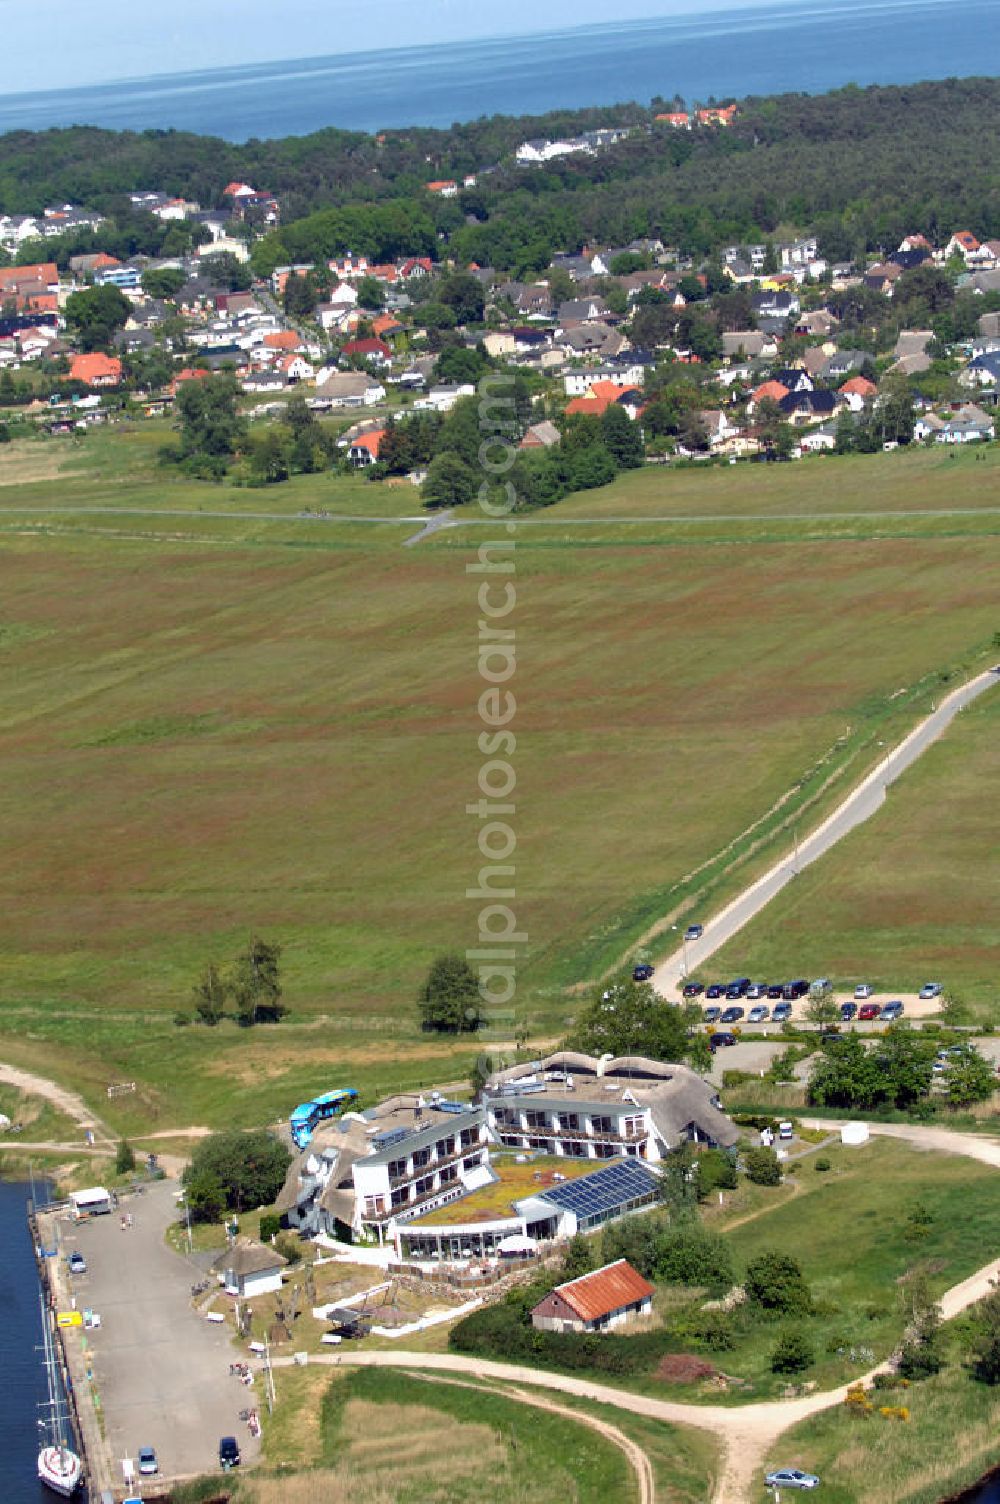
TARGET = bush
x,y
270,1226
713,1330
694,1255
822,1164
124,1158
716,1171
762,1166
792,1353
775,1282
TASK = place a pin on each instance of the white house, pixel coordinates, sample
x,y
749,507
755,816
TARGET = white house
x,y
248,1268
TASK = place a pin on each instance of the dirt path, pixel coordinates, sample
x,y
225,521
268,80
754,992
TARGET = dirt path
x,y
636,1457
67,1101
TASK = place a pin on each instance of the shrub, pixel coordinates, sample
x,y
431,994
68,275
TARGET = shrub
x,y
124,1158
792,1353
716,1171
762,1166
775,1282
822,1164
289,1245
694,1255
713,1330
270,1226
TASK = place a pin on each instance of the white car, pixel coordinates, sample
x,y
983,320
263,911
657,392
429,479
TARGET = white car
x,y
862,992
791,1477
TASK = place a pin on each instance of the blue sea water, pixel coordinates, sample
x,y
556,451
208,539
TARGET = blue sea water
x,y
22,1376
770,48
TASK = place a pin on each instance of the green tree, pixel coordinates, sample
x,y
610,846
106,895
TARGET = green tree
x,y
463,294
124,1158
482,1070
205,1196
969,1078
793,1352
270,453
449,1000
774,1281
622,438
95,313
823,1009
249,1168
255,984
371,293
450,482
210,993
163,281
716,1171
460,364
762,1166
694,1255
228,271
210,424
628,1018
578,1258
847,1075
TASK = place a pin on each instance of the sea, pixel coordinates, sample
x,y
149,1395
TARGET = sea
x,y
796,45
22,1376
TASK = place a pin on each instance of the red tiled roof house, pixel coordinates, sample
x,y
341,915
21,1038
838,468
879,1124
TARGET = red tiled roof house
x,y
96,370
606,1298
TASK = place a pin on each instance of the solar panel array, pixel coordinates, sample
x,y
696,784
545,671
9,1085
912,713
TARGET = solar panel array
x,y
599,1195
393,1136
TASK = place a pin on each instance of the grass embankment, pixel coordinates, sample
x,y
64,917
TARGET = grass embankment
x,y
223,731
912,895
950,1441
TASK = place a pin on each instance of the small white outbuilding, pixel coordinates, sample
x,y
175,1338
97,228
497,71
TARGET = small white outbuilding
x,y
248,1268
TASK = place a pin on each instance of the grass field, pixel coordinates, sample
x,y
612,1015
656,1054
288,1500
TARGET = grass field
x,y
949,1443
216,724
388,1437
911,896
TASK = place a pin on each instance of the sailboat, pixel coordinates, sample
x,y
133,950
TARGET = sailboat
x,y
59,1468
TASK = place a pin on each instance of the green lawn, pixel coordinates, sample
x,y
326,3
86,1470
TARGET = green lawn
x,y
952,1440
850,1230
216,724
913,895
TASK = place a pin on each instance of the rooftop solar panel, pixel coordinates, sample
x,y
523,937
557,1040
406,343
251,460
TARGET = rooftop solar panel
x,y
613,1186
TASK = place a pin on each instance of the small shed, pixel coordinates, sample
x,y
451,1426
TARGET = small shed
x,y
248,1268
609,1297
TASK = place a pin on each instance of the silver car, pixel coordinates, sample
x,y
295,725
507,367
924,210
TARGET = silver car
x,y
791,1477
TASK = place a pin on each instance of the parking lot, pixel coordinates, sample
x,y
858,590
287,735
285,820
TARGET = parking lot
x,y
161,1370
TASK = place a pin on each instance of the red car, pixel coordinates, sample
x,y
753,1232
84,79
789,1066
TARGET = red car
x,y
868,1011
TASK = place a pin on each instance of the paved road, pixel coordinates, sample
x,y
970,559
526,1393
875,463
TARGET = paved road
x,y
860,805
161,1370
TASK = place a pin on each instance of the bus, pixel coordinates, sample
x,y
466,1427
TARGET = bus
x,y
304,1119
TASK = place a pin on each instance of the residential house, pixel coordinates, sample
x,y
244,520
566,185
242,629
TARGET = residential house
x,y
268,382
442,398
679,119
843,363
364,448
818,324
294,367
883,277
96,370
809,407
821,440
543,435
794,379
626,373
611,1296
247,1269
601,396
717,114
773,303
719,427
348,389
916,243
750,343
375,351
982,370
581,311
798,252
768,391
443,188
591,339
989,325
963,243
857,391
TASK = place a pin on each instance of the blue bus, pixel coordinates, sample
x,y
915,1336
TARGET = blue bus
x,y
328,1104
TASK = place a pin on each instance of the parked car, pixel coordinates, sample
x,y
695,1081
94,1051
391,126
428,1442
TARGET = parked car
x,y
715,990
732,1015
229,1452
798,988
786,1130
847,1011
693,989
862,992
819,986
759,1014
740,985
146,1458
721,1039
711,1015
868,1011
757,991
791,1477
642,973
776,990
782,1012
930,989
694,932
892,1010
77,1263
